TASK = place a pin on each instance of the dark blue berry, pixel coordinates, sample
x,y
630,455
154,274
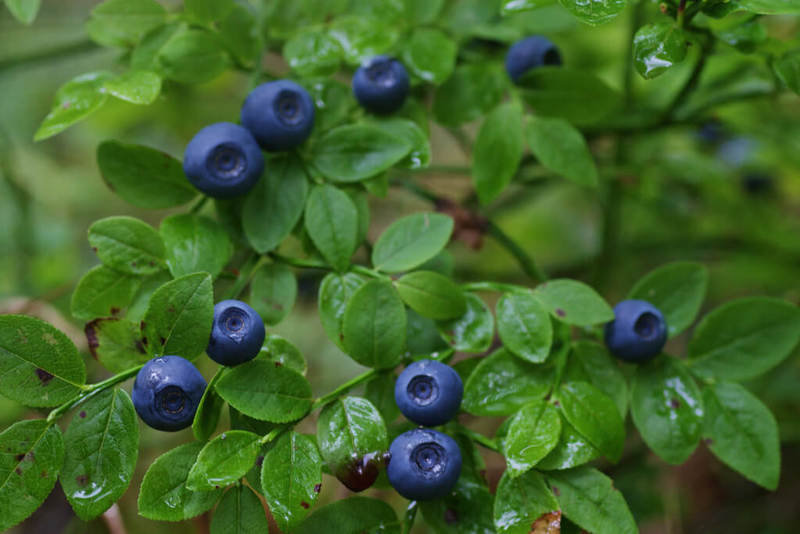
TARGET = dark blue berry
x,y
530,53
381,84
223,160
279,114
428,392
167,391
237,334
637,333
425,464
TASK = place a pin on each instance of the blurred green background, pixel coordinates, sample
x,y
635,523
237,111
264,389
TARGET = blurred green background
x,y
733,204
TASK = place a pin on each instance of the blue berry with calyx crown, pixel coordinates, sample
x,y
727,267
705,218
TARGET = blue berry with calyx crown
x,y
428,392
167,392
223,160
381,85
237,334
530,53
425,464
279,114
637,333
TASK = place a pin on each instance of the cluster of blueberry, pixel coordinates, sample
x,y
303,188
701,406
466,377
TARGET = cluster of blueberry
x,y
168,389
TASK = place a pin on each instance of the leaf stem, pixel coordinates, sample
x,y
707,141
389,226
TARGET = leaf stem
x,y
527,264
91,391
491,286
199,204
409,517
344,388
480,439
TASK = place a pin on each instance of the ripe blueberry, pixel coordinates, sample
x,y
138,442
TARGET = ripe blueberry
x,y
279,114
223,160
381,84
167,391
529,53
425,464
428,392
637,333
237,334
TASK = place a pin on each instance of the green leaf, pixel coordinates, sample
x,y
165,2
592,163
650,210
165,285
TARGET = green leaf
x,y
744,338
103,292
595,416
594,12
136,86
237,33
334,293
667,408
205,11
354,152
467,509
101,447
524,326
265,391
420,12
578,96
787,68
331,220
194,56
677,290
742,432
274,206
273,291
224,460
362,37
420,155
142,176
351,433
164,495
31,455
281,352
380,392
588,498
374,325
770,7
291,476
573,302
498,151
354,515
572,450
658,47
195,243
74,101
422,336
39,365
411,241
313,52
502,383
473,331
206,419
127,245
521,501
472,90
179,317
23,10
334,102
430,54
560,147
591,362
239,511
124,22
532,433
516,6
116,343
432,295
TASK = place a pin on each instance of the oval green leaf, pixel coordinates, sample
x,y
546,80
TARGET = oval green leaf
x,y
127,245
374,325
195,244
411,241
524,326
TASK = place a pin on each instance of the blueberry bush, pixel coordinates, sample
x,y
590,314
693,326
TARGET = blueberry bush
x,y
342,101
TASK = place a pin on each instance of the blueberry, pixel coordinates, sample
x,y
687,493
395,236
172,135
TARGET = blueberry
x,y
167,391
425,464
530,53
223,160
428,392
279,114
637,333
381,84
237,334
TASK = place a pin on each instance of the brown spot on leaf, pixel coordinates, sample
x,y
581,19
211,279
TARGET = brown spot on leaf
x,y
278,364
91,336
115,311
43,376
674,403
163,341
305,505
18,471
43,474
560,312
556,491
82,415
317,488
19,457
82,480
